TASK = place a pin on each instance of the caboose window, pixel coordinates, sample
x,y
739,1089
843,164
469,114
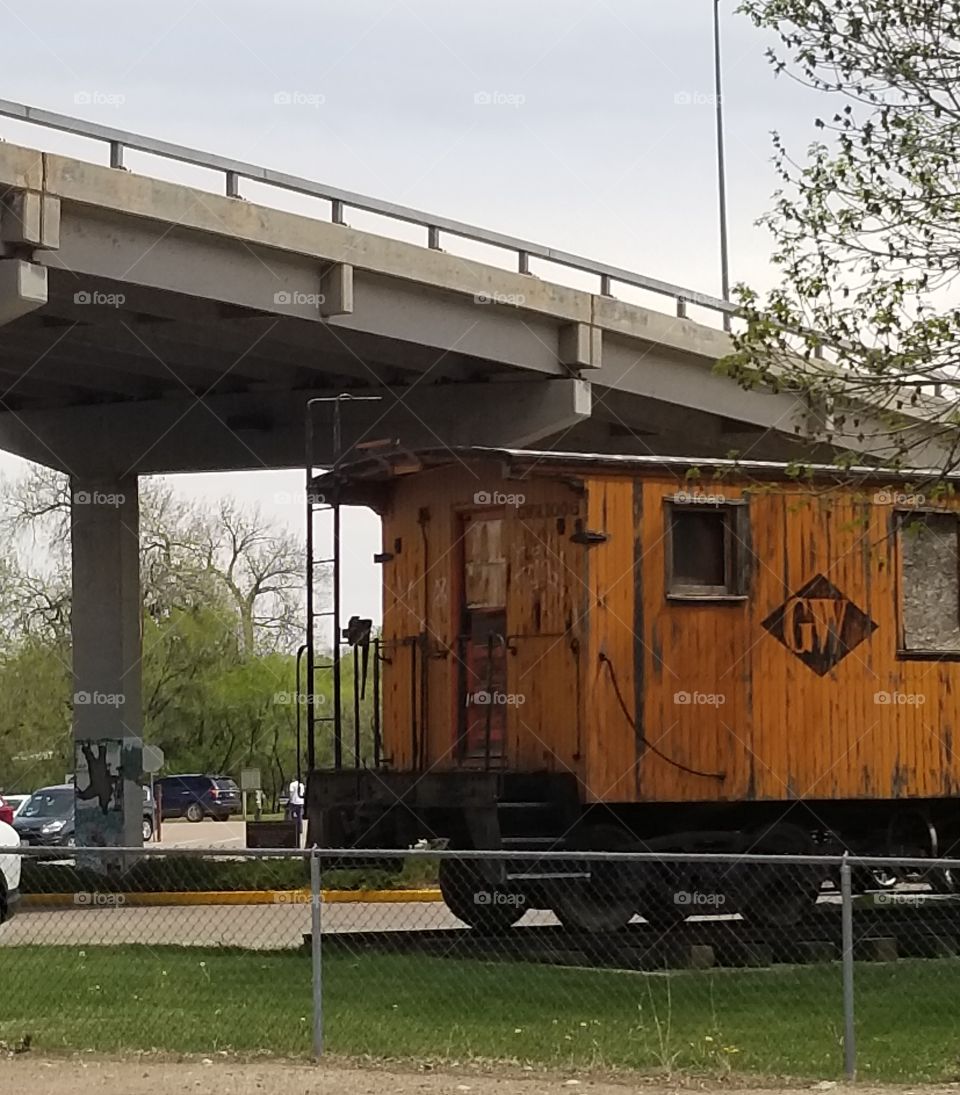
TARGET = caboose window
x,y
930,583
704,550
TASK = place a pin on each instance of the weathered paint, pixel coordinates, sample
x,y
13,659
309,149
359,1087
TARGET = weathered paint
x,y
785,718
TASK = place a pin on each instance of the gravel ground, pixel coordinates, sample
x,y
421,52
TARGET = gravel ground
x,y
147,1076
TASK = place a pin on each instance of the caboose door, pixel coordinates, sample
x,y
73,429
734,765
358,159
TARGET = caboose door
x,y
481,726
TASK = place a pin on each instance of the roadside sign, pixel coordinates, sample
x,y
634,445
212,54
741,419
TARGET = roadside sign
x,y
249,779
153,759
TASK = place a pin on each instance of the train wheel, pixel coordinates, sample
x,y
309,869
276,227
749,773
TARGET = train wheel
x,y
474,899
671,893
775,895
608,902
914,835
879,879
942,880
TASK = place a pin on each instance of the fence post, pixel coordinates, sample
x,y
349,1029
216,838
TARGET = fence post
x,y
315,947
849,1033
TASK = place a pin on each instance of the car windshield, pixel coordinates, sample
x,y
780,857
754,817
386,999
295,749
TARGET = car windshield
x,y
49,803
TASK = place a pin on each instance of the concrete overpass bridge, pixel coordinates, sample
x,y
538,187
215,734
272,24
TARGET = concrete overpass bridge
x,y
153,327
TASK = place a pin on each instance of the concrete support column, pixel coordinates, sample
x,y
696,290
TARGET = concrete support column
x,y
23,288
107,708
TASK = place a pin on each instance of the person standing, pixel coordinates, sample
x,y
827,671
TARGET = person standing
x,y
296,806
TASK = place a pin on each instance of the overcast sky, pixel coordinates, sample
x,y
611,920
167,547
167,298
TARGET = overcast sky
x,y
585,126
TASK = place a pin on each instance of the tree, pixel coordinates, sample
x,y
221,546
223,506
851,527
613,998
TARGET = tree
x,y
189,555
36,739
867,231
260,570
221,591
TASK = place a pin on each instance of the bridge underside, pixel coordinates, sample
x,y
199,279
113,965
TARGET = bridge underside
x,y
119,379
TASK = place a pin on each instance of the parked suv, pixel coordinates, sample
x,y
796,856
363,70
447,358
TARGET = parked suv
x,y
196,797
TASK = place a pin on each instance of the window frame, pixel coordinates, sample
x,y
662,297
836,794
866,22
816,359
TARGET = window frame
x,y
736,546
905,653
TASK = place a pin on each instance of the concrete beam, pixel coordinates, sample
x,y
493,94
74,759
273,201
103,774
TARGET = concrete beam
x,y
267,429
580,346
23,288
105,624
256,227
336,289
100,249
29,218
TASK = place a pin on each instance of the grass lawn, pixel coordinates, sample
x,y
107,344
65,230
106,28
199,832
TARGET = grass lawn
x,y
785,1021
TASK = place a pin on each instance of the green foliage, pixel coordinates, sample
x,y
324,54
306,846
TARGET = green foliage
x,y
36,742
864,325
189,875
221,594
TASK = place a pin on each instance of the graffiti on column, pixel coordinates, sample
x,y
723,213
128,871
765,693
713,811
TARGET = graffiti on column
x,y
102,767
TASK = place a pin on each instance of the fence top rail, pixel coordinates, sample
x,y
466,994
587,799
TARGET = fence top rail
x,y
333,854
120,139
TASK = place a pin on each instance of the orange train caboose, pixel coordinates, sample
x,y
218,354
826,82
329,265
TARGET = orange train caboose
x,y
602,652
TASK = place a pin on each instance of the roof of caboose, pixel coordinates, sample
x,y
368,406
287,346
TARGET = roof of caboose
x,y
381,464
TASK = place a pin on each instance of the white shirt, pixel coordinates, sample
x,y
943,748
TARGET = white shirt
x,y
296,793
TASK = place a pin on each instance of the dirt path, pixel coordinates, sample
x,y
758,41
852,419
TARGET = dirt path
x,y
147,1076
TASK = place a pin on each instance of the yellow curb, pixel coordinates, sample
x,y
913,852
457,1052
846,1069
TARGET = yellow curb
x,y
220,897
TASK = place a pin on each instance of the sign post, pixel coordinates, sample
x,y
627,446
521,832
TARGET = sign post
x,y
250,781
153,760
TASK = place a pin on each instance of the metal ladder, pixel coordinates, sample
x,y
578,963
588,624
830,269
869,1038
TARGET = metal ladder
x,y
327,565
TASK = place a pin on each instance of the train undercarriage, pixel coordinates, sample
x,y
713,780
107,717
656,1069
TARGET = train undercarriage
x,y
528,814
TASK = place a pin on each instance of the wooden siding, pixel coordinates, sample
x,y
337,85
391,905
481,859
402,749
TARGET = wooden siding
x,y
583,616
779,729
546,604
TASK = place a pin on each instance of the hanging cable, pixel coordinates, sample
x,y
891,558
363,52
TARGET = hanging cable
x,y
641,737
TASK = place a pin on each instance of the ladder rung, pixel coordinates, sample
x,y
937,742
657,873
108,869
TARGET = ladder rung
x,y
324,562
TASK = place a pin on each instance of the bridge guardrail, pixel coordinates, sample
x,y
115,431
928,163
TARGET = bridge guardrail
x,y
340,200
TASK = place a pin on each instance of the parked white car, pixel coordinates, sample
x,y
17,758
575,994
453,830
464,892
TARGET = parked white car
x,y
17,802
9,872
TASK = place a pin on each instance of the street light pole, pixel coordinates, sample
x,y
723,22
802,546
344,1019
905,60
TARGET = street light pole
x,y
721,171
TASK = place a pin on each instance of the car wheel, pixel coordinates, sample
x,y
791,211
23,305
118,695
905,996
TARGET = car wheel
x,y
147,829
194,812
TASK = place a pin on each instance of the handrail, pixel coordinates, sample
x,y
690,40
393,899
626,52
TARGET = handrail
x,y
234,170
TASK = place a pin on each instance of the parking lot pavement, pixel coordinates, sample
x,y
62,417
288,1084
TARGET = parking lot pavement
x,y
179,833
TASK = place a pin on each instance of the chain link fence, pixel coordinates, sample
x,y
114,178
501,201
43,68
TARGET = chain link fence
x,y
799,966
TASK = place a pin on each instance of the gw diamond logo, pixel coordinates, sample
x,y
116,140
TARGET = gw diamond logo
x,y
820,625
